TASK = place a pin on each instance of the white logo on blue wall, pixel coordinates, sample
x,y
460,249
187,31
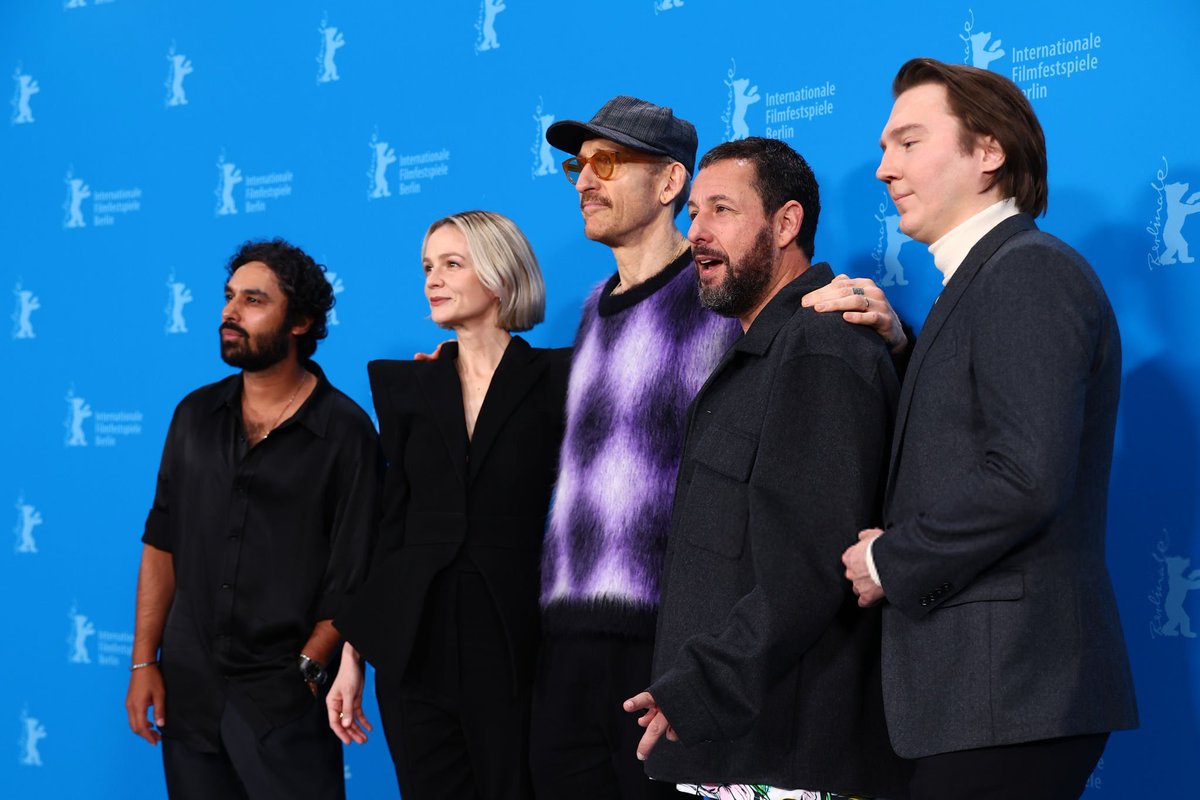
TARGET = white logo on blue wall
x,y
741,96
1174,206
259,188
382,157
666,5
332,40
26,87
77,411
229,177
543,155
112,648
77,192
178,296
485,27
32,732
82,629
28,518
75,4
979,50
1064,56
1175,582
26,304
888,269
107,426
179,68
338,287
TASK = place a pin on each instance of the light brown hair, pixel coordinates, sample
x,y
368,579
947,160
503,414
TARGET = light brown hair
x,y
987,104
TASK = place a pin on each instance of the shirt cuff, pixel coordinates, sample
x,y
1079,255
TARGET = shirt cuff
x,y
871,563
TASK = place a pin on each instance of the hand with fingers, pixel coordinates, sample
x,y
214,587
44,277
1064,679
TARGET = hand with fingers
x,y
869,592
146,692
654,721
861,303
344,701
434,356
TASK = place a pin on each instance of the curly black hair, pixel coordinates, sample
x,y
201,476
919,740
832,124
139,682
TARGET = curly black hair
x,y
303,281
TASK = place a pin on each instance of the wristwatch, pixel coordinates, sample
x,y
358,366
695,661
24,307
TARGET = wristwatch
x,y
312,671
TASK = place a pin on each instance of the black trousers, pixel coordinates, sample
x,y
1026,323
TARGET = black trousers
x,y
583,744
454,726
1052,769
300,759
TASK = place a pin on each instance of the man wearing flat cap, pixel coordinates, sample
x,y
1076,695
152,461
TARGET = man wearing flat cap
x,y
644,348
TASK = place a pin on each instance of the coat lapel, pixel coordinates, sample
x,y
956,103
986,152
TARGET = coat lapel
x,y
516,374
979,255
443,392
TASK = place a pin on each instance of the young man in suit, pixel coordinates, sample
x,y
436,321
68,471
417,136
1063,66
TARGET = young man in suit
x,y
1004,665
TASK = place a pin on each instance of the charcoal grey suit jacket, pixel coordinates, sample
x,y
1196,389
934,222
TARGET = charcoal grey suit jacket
x,y
1001,625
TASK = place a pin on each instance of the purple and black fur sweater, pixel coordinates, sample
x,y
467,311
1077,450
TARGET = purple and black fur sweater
x,y
640,358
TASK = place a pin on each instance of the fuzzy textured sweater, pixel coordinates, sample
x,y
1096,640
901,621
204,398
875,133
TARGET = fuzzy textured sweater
x,y
640,358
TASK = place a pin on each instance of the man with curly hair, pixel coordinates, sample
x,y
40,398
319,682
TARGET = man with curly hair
x,y
262,522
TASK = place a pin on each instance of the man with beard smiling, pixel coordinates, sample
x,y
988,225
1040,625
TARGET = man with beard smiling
x,y
262,521
764,673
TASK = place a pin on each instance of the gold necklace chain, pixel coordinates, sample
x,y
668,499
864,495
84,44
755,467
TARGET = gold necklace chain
x,y
291,399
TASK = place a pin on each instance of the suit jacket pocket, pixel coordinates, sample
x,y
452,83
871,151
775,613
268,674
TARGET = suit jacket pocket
x,y
714,514
1008,584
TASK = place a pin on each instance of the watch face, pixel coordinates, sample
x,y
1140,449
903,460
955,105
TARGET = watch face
x,y
312,671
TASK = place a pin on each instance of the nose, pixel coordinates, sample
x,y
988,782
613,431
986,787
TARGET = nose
x,y
433,278
586,179
229,312
886,171
698,231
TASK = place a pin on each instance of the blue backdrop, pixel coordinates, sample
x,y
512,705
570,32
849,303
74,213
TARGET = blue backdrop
x,y
147,138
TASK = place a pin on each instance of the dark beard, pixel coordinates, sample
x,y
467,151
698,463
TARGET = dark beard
x,y
744,283
254,354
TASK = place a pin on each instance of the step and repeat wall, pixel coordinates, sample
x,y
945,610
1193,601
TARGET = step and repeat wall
x,y
146,139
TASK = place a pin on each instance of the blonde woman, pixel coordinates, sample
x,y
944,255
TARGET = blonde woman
x,y
449,613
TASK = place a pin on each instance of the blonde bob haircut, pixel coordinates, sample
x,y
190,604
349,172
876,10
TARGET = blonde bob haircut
x,y
504,263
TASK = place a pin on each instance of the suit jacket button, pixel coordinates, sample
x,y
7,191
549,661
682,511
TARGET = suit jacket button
x,y
925,601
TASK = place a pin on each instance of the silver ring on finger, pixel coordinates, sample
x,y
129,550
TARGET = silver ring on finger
x,y
867,307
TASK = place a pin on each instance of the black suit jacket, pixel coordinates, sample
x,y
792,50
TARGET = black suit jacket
x,y
1001,624
446,496
763,662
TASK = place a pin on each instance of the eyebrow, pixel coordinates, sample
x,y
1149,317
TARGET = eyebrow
x,y
896,133
255,292
712,198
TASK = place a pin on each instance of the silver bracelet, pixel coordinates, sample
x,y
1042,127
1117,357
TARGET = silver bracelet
x,y
143,665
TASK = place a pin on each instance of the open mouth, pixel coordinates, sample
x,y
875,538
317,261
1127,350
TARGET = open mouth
x,y
707,263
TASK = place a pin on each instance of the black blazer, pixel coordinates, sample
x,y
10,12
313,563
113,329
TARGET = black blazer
x,y
763,662
446,495
1001,624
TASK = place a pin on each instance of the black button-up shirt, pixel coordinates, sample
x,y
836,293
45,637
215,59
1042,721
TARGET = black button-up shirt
x,y
266,542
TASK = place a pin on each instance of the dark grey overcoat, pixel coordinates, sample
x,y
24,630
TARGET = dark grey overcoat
x,y
763,662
